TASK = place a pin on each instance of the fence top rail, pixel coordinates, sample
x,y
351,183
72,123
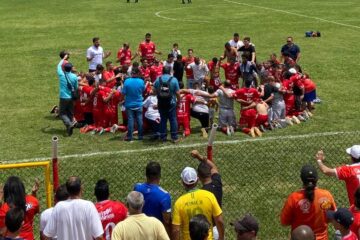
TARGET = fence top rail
x,y
25,165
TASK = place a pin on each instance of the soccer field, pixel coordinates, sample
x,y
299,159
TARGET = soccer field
x,y
33,33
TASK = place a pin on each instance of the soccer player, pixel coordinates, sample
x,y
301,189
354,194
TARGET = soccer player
x,y
109,75
124,56
214,69
147,49
183,110
229,53
111,212
156,70
232,72
145,70
95,54
308,205
347,173
262,115
157,200
187,61
342,219
193,202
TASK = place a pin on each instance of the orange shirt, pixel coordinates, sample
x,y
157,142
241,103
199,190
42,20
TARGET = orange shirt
x,y
298,211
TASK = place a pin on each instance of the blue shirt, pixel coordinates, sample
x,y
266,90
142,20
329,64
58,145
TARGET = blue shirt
x,y
174,86
293,50
65,92
132,90
157,200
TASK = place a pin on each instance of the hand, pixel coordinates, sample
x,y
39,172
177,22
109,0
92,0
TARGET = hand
x,y
320,155
36,186
195,153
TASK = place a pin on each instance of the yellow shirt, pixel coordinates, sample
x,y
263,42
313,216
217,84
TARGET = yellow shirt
x,y
194,202
139,227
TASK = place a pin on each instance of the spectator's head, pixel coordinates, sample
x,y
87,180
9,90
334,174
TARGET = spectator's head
x,y
179,58
135,72
354,153
211,89
204,172
244,57
342,219
14,192
90,79
286,54
215,60
289,41
189,178
101,190
232,60
63,53
302,232
309,177
196,85
96,41
236,37
199,227
246,41
135,65
248,83
14,220
357,198
227,46
109,65
74,187
227,84
190,52
153,172
99,68
68,67
135,202
170,57
175,46
148,37
197,60
246,228
167,70
61,193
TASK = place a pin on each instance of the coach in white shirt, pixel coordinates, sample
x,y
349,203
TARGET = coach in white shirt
x,y
75,218
200,71
95,54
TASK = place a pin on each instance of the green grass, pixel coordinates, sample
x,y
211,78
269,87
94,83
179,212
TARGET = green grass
x,y
33,33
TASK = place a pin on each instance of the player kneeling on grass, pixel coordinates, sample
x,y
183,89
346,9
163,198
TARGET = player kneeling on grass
x,y
183,109
152,115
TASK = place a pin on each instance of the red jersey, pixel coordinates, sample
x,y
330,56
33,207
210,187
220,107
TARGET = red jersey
x,y
231,72
147,50
156,71
86,100
189,72
78,111
32,208
111,212
124,56
298,211
98,102
184,107
355,227
108,75
351,175
145,72
247,94
309,85
350,236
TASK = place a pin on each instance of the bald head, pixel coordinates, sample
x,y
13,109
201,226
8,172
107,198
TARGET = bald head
x,y
302,232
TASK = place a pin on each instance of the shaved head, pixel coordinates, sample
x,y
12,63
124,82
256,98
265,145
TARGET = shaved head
x,y
302,232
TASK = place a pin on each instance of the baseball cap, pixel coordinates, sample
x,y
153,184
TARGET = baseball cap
x,y
189,176
342,216
354,151
292,70
308,172
247,224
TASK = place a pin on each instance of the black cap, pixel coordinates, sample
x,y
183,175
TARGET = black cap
x,y
68,67
308,172
247,224
342,216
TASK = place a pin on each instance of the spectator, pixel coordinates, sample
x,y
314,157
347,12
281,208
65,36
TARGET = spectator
x,y
249,50
236,42
342,219
152,114
194,201
355,210
138,226
60,195
347,173
133,90
157,200
229,53
248,71
15,196
169,62
95,54
308,206
75,218
178,68
200,71
292,49
302,232
246,228
14,221
111,212
167,88
199,227
175,51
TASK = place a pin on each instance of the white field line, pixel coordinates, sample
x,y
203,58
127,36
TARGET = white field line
x,y
158,14
295,14
324,134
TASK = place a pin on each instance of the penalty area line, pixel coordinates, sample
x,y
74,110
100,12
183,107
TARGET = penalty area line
x,y
193,145
158,14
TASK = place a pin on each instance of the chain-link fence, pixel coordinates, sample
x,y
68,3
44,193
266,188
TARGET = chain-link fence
x,y
258,174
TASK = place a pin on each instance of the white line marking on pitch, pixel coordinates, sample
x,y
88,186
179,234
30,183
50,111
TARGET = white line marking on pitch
x,y
292,13
183,146
174,19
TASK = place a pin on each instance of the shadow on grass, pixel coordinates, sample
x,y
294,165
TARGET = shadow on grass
x,y
51,118
53,131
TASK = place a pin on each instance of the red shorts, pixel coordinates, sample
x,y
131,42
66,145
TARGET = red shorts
x,y
290,106
184,121
261,119
248,117
99,118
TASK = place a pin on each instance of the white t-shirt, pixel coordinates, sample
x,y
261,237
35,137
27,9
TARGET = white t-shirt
x,y
74,219
97,77
199,71
171,65
97,54
151,113
44,219
237,44
224,101
199,107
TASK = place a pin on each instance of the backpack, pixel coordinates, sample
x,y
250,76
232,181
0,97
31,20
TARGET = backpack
x,y
164,95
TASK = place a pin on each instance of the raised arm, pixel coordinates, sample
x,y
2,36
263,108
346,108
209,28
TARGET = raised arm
x,y
198,156
320,157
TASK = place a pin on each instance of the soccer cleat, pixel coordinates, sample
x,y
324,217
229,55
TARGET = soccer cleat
x,y
309,113
232,130
69,130
257,131
288,121
114,128
305,115
84,129
228,131
301,118
101,131
295,120
204,133
262,128
252,132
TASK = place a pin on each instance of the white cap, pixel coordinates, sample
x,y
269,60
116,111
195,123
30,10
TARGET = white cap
x,y
189,176
354,151
292,70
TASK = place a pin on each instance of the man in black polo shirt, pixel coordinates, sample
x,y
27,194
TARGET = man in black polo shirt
x,y
249,50
292,49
